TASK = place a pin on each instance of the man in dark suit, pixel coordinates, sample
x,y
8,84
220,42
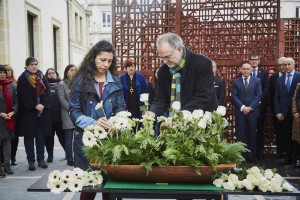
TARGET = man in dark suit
x,y
185,77
219,85
262,74
284,91
278,133
246,95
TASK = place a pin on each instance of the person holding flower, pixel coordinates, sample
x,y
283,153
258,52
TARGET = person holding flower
x,y
96,81
8,108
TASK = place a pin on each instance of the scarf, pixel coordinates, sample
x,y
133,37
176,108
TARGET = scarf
x,y
175,86
36,81
10,124
53,82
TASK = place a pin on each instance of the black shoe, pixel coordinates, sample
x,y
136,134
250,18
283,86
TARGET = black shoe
x,y
31,166
49,160
286,162
2,173
42,164
13,162
297,164
70,162
7,168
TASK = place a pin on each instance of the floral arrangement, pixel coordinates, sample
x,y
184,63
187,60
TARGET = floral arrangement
x,y
249,179
186,139
73,180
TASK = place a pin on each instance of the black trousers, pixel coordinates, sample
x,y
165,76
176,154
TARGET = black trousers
x,y
49,140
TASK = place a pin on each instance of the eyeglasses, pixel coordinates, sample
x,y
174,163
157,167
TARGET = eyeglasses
x,y
167,58
2,72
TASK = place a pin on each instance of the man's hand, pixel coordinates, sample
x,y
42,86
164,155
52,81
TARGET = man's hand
x,y
246,110
39,107
280,117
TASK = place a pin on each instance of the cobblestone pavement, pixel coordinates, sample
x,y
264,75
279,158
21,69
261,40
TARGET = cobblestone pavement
x,y
14,187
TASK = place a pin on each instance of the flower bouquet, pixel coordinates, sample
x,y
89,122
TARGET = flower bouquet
x,y
187,139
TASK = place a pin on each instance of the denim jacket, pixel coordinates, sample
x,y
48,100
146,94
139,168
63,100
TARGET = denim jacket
x,y
83,112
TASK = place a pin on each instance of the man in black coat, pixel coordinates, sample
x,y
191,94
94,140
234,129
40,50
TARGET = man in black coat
x,y
190,75
277,128
262,74
219,85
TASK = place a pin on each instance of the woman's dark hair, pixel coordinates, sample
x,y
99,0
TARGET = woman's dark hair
x,y
3,69
52,70
87,67
29,60
67,70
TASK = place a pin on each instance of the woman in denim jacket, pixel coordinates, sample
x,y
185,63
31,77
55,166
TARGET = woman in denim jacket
x,y
95,81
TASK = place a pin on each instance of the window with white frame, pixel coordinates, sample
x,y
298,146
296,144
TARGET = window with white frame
x,y
297,12
106,19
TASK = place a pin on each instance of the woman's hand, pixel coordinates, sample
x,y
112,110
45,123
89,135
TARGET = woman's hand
x,y
12,113
39,107
102,122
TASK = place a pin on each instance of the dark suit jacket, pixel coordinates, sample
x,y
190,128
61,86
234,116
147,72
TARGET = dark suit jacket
x,y
197,86
250,98
273,81
262,74
219,85
283,98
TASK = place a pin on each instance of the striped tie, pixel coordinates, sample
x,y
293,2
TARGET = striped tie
x,y
246,83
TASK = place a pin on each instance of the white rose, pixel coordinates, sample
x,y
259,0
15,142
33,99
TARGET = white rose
x,y
225,123
176,105
247,184
144,97
224,177
264,181
240,185
197,114
268,174
233,178
288,187
228,186
218,182
207,116
202,123
258,178
251,178
221,110
263,188
254,170
187,115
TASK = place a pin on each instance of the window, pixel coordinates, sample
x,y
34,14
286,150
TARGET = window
x,y
297,12
30,21
106,19
55,32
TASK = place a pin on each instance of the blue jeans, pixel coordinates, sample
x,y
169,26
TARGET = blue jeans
x,y
39,144
69,144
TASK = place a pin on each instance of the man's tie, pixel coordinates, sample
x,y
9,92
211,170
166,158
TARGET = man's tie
x,y
288,82
246,83
254,72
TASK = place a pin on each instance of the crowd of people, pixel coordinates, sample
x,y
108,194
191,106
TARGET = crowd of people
x,y
65,107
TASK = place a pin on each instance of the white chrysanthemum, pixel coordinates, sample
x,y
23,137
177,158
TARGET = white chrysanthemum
x,y
100,132
254,170
57,186
89,139
197,114
144,97
122,124
176,105
218,182
90,128
123,114
228,186
78,172
91,181
221,110
54,176
233,178
224,177
247,184
68,174
187,116
76,185
202,123
268,174
99,105
207,115
288,187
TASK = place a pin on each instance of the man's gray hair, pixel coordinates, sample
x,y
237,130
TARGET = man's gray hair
x,y
290,59
173,39
281,59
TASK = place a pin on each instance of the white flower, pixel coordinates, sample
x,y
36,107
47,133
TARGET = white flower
x,y
78,172
54,176
254,170
224,177
240,185
57,186
90,181
218,182
233,178
263,188
161,118
228,186
253,179
288,187
207,115
187,115
76,185
176,105
247,184
100,132
88,139
202,123
197,114
268,174
90,128
99,105
221,110
123,114
225,123
144,97
68,174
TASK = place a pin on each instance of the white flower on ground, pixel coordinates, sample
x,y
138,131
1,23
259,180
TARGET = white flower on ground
x,y
268,174
88,139
187,116
90,181
221,110
54,176
197,114
176,105
99,105
202,123
288,187
224,177
228,186
78,172
144,98
263,188
254,170
247,184
76,185
218,182
68,174
100,132
240,185
57,186
233,178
